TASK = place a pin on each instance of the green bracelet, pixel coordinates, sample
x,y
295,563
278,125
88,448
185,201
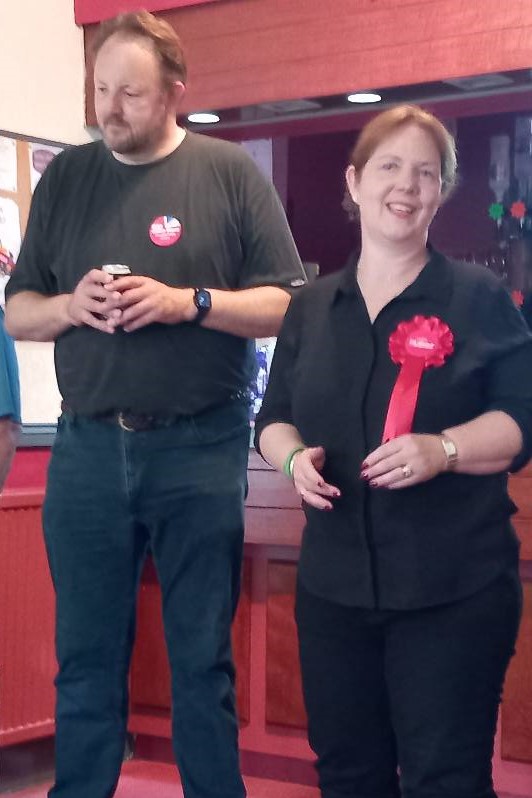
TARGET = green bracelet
x,y
288,466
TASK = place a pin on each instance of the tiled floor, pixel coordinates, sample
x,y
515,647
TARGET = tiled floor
x,y
141,779
153,780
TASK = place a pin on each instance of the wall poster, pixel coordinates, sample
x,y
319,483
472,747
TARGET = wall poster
x,y
22,163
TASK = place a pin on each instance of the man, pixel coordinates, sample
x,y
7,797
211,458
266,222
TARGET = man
x,y
9,402
152,444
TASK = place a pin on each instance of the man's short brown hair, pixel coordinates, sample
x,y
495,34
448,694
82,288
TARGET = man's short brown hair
x,y
143,25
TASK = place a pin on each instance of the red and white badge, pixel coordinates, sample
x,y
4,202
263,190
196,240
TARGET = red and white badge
x,y
415,345
165,231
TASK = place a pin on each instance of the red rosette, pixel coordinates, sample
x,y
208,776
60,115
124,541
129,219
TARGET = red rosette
x,y
425,337
418,344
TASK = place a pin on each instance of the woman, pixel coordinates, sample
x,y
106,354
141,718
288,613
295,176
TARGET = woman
x,y
400,396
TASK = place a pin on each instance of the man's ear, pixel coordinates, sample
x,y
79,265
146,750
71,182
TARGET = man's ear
x,y
177,91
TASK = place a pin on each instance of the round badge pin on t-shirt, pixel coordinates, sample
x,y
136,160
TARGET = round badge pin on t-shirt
x,y
165,231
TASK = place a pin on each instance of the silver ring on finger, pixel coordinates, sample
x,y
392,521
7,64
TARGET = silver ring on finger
x,y
407,471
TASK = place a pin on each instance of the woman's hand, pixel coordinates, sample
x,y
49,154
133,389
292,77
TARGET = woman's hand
x,y
308,481
404,461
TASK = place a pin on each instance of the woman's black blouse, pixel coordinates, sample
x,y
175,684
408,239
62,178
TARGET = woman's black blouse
x,y
332,377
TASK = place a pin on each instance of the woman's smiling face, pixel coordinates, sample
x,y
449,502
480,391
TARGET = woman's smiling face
x,y
400,187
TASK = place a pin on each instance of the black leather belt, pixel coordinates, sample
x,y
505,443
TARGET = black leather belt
x,y
132,422
138,422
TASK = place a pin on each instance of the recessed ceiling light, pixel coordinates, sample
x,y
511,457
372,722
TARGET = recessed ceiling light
x,y
361,97
203,118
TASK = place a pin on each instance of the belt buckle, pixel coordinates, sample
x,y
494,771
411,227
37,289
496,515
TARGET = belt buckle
x,y
122,423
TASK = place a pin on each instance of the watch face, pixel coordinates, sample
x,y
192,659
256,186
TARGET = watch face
x,y
451,452
203,299
450,448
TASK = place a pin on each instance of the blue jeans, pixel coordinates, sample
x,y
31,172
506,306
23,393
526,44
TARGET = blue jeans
x,y
111,495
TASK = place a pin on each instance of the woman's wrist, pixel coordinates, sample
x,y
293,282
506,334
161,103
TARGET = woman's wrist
x,y
450,451
288,465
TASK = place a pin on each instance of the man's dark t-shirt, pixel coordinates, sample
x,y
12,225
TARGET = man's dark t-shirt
x,y
204,216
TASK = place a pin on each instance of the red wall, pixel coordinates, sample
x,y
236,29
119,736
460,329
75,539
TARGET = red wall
x,y
242,52
87,11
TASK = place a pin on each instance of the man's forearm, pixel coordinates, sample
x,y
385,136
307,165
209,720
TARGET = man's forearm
x,y
8,443
33,317
251,313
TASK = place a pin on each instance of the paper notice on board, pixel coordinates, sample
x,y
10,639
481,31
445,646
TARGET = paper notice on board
x,y
40,156
9,240
40,398
8,164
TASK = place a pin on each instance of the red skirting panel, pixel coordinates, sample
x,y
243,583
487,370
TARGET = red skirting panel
x,y
150,671
516,709
284,698
27,661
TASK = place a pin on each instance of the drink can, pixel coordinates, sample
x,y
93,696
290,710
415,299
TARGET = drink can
x,y
116,270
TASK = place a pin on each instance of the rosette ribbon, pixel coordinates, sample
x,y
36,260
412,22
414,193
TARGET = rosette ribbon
x,y
415,345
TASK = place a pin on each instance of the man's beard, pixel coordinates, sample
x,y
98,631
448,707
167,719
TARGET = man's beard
x,y
123,140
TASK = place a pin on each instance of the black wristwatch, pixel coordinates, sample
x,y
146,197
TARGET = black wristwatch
x,y
202,300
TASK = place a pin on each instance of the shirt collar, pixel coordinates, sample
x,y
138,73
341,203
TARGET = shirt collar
x,y
433,282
